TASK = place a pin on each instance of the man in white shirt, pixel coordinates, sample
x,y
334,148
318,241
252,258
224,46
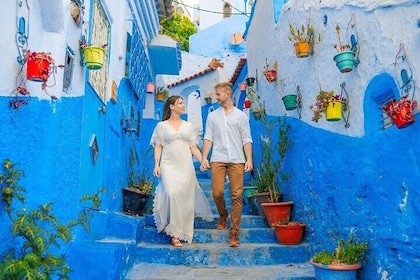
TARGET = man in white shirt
x,y
228,131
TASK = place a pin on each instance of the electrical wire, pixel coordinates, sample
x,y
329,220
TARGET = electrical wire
x,y
208,11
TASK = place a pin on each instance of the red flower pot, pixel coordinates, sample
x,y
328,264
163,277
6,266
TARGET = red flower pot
x,y
271,75
38,67
400,112
289,234
247,104
277,212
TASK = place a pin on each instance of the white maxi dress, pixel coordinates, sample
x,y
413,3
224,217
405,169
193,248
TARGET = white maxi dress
x,y
178,197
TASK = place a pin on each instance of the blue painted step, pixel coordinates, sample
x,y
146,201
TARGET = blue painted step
x,y
214,254
267,272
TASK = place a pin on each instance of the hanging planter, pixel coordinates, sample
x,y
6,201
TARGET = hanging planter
x,y
93,57
400,111
332,105
270,73
303,39
242,86
345,61
150,88
161,94
347,56
247,104
290,233
333,112
208,99
250,81
38,66
290,101
258,113
302,49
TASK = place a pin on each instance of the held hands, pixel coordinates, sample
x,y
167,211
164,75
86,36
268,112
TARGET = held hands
x,y
204,165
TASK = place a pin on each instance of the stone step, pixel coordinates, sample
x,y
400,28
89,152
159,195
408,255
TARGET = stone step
x,y
246,235
280,272
247,221
214,254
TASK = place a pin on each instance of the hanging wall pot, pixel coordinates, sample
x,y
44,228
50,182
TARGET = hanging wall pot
x,y
302,49
334,109
400,111
290,102
242,86
345,61
150,88
93,57
250,81
38,67
247,104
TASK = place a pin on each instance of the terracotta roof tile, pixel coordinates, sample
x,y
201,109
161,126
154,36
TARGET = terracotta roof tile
x,y
238,70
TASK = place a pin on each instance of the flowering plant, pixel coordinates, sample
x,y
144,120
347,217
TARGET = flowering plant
x,y
322,100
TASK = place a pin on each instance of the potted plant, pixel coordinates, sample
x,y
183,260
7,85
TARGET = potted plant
x,y
303,39
290,100
137,196
161,94
290,233
269,176
93,55
345,57
330,104
400,111
37,252
250,81
342,263
270,73
208,98
258,113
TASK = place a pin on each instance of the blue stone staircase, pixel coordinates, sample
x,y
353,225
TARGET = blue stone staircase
x,y
259,256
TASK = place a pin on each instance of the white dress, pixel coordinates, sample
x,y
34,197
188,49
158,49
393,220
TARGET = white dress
x,y
178,196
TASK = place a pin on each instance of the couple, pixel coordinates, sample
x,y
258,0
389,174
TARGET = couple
x,y
178,197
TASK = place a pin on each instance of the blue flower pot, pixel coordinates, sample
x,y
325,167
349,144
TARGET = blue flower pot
x,y
290,102
345,61
335,272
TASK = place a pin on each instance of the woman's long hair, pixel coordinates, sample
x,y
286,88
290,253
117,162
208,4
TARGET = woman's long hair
x,y
166,108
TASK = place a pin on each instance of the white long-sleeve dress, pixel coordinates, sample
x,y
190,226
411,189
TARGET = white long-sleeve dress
x,y
178,196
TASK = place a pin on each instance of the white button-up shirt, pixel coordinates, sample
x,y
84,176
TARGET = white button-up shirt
x,y
228,133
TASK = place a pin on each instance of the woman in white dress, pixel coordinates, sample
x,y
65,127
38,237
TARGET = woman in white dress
x,y
178,196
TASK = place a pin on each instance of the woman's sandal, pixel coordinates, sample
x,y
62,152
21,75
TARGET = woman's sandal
x,y
176,242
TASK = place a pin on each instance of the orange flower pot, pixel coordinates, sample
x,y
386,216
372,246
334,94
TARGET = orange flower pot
x,y
289,234
302,49
277,212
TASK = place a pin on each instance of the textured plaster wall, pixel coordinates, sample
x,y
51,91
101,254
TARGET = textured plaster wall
x,y
361,180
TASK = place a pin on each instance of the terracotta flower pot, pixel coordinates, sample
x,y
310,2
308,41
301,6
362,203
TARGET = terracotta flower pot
x,y
277,212
289,234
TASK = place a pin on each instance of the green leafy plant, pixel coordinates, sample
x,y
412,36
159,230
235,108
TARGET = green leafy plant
x,y
139,176
304,33
346,252
179,28
41,232
272,157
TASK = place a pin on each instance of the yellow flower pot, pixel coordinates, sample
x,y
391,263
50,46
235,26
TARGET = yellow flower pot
x,y
93,57
333,112
302,49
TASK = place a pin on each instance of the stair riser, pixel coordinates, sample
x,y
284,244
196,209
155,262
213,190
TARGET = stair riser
x,y
215,236
223,256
